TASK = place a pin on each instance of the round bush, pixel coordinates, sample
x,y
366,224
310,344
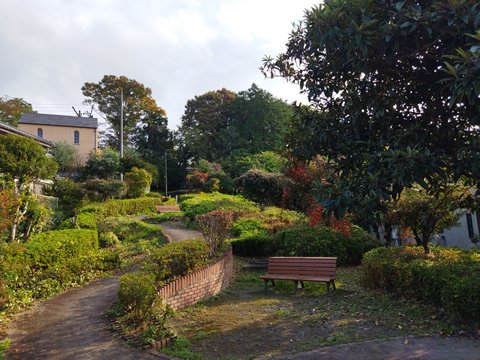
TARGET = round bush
x,y
108,240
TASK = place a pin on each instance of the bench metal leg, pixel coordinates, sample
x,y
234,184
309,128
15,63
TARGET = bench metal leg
x,y
328,288
333,283
295,289
303,286
273,283
266,283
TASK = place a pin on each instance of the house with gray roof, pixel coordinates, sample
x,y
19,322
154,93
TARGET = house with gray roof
x,y
80,132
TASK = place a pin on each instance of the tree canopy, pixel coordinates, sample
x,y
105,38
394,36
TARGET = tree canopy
x,y
138,103
11,109
204,118
23,158
394,92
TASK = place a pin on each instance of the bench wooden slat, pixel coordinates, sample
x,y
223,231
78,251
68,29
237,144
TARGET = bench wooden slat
x,y
167,208
318,269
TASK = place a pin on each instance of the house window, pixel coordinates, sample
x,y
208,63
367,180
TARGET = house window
x,y
76,137
40,132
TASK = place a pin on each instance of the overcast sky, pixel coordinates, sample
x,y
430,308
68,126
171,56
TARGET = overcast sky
x,y
178,48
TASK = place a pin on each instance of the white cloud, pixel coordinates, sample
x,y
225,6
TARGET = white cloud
x,y
177,48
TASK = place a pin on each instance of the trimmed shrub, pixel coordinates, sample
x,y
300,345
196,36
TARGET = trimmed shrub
x,y
194,205
178,259
248,225
259,244
445,277
55,247
123,207
131,230
170,202
50,262
154,195
137,294
108,240
304,240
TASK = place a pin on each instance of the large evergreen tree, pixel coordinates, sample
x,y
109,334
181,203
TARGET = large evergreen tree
x,y
386,109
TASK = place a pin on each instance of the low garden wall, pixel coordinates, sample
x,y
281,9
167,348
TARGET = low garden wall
x,y
190,289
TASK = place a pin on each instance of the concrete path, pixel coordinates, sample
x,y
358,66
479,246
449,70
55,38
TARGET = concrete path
x,y
429,348
73,325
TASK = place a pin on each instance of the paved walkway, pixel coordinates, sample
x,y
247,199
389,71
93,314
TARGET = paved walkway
x,y
429,348
72,325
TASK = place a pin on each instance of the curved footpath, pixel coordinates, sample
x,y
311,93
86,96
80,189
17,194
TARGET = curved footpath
x,y
73,325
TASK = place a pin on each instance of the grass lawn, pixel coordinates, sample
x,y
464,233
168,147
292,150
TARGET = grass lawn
x,y
247,322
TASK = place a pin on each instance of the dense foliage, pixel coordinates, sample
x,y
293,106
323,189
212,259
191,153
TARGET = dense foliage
x,y
263,187
51,262
446,277
394,94
138,102
205,203
177,259
138,182
70,197
11,109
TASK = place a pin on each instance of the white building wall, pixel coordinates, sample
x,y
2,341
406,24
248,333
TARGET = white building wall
x,y
458,236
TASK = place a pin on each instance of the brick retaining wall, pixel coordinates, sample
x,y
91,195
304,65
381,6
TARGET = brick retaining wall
x,y
190,289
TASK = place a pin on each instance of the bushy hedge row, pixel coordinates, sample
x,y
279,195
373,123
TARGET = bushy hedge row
x,y
177,259
446,277
303,240
127,207
53,247
204,203
131,230
50,262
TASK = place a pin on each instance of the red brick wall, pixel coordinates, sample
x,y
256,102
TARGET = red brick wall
x,y
190,289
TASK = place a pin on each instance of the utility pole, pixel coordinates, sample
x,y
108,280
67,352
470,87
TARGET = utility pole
x,y
121,127
166,183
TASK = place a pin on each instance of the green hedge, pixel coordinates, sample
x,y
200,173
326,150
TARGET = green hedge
x,y
253,245
320,241
51,262
178,259
446,277
128,207
131,230
53,247
204,203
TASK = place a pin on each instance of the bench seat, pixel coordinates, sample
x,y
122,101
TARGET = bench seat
x,y
315,269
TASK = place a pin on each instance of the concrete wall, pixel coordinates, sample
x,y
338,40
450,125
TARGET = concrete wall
x,y
88,138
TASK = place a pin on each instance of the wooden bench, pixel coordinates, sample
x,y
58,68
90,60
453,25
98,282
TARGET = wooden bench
x,y
319,269
164,208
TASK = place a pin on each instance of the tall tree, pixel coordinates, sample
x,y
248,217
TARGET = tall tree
x,y
138,102
152,138
11,109
204,118
25,161
375,74
259,120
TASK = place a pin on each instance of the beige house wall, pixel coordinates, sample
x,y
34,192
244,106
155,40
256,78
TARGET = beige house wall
x,y
88,138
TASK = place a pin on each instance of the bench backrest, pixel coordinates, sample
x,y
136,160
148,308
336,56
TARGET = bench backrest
x,y
320,266
167,208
